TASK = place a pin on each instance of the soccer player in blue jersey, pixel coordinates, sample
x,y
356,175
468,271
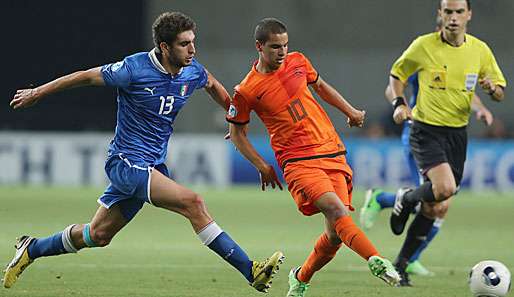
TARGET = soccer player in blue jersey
x,y
376,199
152,88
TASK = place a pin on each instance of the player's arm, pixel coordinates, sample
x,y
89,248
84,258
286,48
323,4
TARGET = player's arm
x,y
217,91
395,95
267,173
481,111
28,97
334,98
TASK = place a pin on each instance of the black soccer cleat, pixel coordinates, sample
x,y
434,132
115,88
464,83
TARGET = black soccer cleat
x,y
401,212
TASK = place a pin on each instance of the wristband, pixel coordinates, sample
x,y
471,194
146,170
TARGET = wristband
x,y
398,101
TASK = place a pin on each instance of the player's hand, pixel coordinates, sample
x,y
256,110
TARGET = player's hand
x,y
356,118
269,178
24,98
487,85
483,114
401,114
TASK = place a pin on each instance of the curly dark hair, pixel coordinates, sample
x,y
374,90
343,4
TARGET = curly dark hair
x,y
168,25
268,26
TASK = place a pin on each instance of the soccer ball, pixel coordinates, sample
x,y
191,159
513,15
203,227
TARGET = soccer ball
x,y
489,279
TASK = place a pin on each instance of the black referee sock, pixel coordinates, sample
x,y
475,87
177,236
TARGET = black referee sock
x,y
422,193
418,232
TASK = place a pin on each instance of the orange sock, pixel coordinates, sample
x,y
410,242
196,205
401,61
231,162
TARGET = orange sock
x,y
354,238
323,252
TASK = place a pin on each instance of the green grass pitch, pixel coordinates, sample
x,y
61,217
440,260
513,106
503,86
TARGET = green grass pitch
x,y
157,254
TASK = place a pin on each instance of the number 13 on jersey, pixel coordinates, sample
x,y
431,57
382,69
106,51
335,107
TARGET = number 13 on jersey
x,y
166,104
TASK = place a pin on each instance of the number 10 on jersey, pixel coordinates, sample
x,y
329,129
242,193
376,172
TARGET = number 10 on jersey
x,y
296,110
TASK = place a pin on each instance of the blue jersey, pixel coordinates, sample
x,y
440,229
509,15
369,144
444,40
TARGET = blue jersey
x,y
149,99
413,82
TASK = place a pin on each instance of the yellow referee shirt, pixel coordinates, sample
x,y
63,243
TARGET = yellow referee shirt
x,y
447,77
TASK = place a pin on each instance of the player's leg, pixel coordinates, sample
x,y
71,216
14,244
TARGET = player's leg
x,y
375,200
104,225
433,150
415,267
325,249
168,194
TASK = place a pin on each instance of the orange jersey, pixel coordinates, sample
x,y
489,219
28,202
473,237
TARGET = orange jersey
x,y
298,126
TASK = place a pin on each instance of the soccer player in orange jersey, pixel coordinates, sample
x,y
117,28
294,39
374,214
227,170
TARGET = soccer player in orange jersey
x,y
306,146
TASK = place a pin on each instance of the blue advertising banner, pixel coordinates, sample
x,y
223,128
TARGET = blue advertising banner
x,y
381,163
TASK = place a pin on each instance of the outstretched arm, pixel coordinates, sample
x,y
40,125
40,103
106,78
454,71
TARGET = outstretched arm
x,y
217,92
481,112
267,173
334,98
28,97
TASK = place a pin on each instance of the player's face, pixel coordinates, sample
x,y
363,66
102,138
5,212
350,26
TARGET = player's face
x,y
455,16
274,51
182,51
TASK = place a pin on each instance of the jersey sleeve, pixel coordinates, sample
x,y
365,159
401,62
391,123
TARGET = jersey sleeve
x,y
409,62
202,81
239,110
490,68
312,74
117,74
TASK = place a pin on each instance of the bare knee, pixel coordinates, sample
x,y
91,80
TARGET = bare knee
x,y
194,205
333,211
444,190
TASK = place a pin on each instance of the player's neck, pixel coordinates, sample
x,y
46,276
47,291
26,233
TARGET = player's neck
x,y
170,68
454,39
262,67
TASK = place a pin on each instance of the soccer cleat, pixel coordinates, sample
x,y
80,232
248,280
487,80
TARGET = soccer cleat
x,y
264,271
20,261
401,212
370,210
384,270
416,268
297,288
404,281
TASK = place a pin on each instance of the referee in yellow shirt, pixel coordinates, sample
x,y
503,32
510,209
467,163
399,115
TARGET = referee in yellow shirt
x,y
449,64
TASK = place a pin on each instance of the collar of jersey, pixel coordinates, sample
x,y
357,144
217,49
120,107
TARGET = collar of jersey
x,y
158,65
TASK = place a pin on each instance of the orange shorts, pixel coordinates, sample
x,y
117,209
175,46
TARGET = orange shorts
x,y
309,179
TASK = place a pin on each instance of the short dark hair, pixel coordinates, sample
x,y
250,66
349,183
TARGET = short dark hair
x,y
168,25
468,2
268,26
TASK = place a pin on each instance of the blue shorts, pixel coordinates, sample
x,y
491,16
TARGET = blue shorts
x,y
415,174
130,184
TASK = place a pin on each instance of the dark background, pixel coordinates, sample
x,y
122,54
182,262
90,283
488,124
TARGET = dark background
x,y
46,39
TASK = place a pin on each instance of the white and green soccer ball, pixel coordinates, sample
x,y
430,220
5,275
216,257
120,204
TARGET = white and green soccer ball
x,y
489,279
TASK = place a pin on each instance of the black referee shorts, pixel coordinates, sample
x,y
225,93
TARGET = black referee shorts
x,y
433,145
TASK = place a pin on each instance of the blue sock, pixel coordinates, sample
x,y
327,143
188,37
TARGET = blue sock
x,y
386,199
230,251
48,246
433,232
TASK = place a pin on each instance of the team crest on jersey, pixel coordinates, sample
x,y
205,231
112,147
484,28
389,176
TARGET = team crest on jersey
x,y
232,111
116,66
183,90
